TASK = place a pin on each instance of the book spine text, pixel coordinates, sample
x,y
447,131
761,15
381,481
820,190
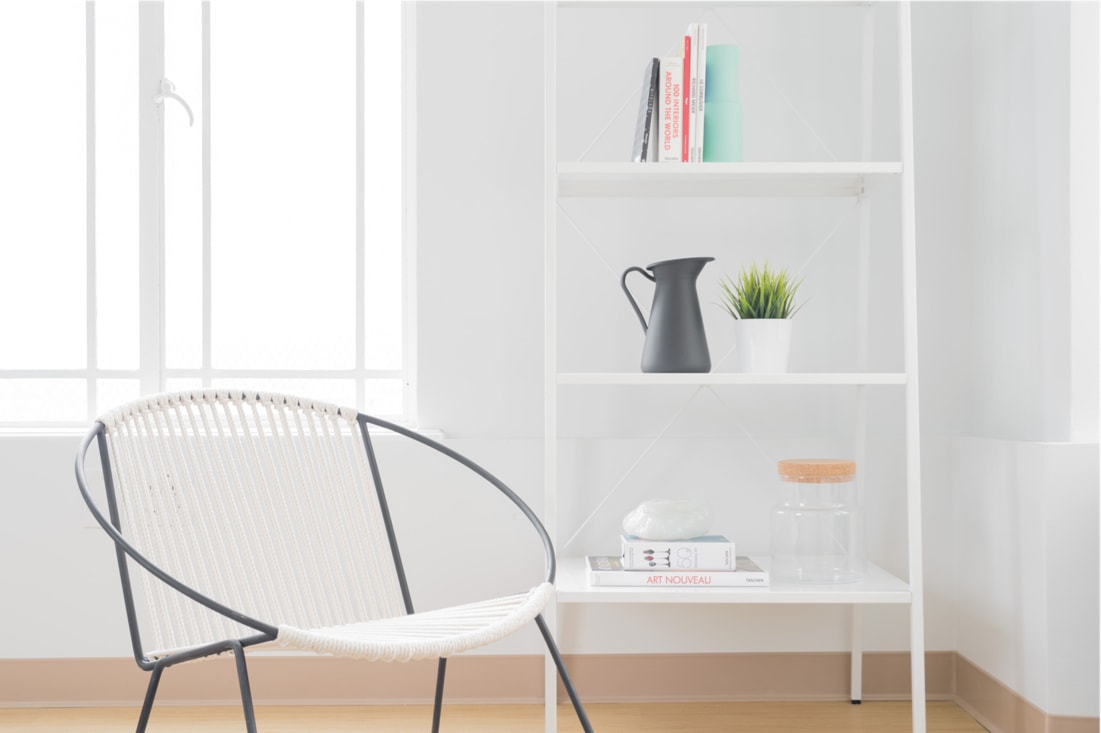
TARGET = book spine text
x,y
670,110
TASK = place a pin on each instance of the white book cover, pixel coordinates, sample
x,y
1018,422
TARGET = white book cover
x,y
669,94
608,571
709,552
701,90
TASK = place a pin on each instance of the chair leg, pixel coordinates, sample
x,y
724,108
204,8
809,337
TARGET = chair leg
x,y
246,690
440,672
150,693
553,649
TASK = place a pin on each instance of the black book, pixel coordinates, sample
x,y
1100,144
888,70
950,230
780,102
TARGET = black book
x,y
647,101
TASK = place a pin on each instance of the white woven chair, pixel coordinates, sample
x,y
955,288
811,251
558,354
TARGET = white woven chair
x,y
261,519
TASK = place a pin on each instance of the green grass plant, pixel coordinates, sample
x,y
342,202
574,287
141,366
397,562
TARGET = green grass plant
x,y
760,292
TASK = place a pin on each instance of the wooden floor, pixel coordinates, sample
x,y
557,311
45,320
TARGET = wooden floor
x,y
770,717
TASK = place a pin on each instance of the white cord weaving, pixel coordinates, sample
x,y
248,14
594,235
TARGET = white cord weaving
x,y
428,635
264,503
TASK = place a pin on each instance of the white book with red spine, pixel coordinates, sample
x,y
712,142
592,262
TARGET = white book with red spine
x,y
608,571
670,109
687,94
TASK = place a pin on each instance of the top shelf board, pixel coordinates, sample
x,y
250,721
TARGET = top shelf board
x,y
710,4
721,179
722,378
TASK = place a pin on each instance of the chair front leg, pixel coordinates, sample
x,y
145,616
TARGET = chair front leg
x,y
150,693
246,690
553,649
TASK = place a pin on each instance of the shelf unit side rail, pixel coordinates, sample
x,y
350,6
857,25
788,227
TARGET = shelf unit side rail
x,y
910,332
860,431
550,338
856,644
867,90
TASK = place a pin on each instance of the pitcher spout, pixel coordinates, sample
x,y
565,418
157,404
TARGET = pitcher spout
x,y
687,265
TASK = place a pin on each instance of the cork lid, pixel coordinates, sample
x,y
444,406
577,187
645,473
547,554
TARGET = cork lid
x,y
816,470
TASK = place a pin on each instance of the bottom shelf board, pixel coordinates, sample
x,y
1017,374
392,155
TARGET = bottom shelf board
x,y
878,586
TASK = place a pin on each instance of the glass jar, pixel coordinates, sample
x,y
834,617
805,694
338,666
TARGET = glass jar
x,y
817,528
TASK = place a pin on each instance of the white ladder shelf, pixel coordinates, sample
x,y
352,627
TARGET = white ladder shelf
x,y
567,180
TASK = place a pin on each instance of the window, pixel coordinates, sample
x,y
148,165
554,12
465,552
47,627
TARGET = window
x,y
201,194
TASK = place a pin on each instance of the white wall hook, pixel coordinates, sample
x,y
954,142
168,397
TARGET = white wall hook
x,y
168,91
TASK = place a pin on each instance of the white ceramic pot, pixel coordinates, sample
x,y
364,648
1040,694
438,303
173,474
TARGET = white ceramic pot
x,y
762,345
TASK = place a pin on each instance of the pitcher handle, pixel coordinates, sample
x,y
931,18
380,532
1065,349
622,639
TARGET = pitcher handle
x,y
623,283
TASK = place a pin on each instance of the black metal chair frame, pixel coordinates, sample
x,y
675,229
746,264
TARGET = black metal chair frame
x,y
267,632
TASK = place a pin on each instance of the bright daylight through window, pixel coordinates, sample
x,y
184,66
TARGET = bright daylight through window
x,y
200,194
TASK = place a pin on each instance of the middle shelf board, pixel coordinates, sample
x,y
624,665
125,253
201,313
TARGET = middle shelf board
x,y
722,179
878,587
720,378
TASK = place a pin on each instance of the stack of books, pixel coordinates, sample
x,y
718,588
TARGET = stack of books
x,y
700,562
671,110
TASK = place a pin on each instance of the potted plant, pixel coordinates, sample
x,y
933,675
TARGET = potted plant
x,y
762,302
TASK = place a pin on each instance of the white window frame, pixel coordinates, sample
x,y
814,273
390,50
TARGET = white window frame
x,y
152,372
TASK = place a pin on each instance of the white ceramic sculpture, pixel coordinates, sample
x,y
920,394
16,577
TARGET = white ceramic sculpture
x,y
668,519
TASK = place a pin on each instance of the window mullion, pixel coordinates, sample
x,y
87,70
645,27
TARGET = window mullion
x,y
409,206
151,195
92,360
361,297
207,317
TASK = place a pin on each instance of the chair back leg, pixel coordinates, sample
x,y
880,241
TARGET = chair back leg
x,y
582,717
438,707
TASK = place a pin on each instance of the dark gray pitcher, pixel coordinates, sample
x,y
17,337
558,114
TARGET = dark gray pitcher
x,y
675,340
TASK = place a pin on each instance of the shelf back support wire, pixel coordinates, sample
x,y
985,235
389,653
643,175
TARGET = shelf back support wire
x,y
810,258
589,242
611,120
634,466
821,245
631,97
776,87
770,460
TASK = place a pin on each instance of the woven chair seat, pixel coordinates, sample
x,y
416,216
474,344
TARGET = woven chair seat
x,y
426,635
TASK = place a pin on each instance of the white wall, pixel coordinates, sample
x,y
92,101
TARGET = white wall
x,y
1026,572
1007,406
1085,225
480,353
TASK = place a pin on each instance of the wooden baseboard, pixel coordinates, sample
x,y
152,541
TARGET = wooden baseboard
x,y
1001,710
756,676
519,679
473,679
